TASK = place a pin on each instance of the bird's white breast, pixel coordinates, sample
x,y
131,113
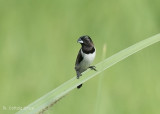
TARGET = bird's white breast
x,y
87,59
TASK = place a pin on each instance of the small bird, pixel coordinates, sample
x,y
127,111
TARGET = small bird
x,y
85,56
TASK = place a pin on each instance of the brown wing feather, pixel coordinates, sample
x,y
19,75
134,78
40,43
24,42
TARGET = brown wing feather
x,y
79,59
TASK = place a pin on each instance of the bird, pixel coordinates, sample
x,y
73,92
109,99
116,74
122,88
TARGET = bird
x,y
85,56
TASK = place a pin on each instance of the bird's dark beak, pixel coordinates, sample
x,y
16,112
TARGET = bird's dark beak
x,y
80,41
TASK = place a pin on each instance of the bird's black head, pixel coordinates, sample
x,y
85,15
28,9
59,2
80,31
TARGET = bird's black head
x,y
85,41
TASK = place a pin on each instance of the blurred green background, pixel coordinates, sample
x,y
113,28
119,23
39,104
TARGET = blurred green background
x,y
38,49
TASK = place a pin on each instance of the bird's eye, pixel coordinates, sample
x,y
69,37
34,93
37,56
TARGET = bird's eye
x,y
86,40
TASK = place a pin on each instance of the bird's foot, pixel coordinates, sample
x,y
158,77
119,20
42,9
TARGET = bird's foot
x,y
93,68
78,75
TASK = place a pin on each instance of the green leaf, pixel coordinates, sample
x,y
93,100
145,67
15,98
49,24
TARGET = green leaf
x,y
52,97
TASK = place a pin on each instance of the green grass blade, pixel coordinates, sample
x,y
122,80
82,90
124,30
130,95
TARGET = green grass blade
x,y
100,82
52,97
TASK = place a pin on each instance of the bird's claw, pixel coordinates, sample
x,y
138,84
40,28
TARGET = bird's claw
x,y
93,68
78,75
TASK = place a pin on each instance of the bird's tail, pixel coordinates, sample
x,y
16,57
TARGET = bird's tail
x,y
78,87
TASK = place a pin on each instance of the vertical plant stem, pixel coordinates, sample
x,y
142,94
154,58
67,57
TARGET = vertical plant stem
x,y
100,81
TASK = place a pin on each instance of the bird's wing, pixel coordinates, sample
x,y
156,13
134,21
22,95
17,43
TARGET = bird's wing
x,y
79,59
